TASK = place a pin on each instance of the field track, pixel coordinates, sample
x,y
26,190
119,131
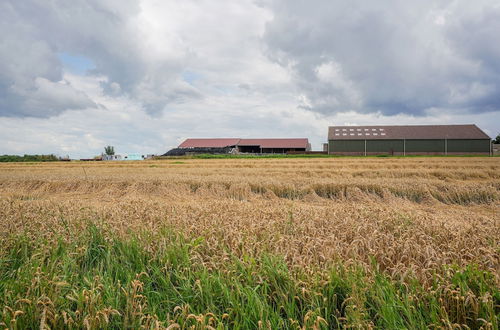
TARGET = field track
x,y
314,243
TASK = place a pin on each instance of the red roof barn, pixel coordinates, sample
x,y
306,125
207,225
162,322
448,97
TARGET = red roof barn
x,y
251,145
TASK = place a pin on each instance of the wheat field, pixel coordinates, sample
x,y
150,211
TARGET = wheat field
x,y
385,243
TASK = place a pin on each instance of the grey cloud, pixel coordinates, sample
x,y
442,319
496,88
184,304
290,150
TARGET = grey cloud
x,y
107,32
356,55
395,58
42,98
31,81
475,35
245,86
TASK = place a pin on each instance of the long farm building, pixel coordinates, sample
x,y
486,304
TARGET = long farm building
x,y
408,140
237,145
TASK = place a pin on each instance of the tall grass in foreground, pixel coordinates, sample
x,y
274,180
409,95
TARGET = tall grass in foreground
x,y
152,280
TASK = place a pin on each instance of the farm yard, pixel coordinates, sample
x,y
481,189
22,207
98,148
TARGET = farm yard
x,y
384,243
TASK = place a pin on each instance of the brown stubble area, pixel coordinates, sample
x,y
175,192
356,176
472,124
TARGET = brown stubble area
x,y
412,216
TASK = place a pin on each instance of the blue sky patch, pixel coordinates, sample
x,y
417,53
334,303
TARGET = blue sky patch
x,y
76,63
190,76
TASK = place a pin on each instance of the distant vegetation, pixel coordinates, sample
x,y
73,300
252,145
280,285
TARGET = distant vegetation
x,y
109,150
497,139
29,158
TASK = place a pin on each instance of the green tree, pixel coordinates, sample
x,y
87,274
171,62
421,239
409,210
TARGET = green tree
x,y
497,139
109,150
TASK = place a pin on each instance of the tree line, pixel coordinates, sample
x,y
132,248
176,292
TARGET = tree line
x,y
30,158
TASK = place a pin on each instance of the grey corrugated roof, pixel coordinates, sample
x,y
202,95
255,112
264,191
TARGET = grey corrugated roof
x,y
406,132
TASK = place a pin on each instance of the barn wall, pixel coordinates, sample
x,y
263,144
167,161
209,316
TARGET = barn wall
x,y
425,146
346,146
282,150
384,146
469,146
412,147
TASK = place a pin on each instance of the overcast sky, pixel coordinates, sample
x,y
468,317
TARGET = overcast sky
x,y
143,75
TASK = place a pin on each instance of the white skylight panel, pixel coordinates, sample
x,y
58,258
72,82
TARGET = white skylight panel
x,y
375,133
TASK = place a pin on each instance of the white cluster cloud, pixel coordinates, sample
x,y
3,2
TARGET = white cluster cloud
x,y
165,70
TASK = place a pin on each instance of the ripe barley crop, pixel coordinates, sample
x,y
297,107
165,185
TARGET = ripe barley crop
x,y
251,243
